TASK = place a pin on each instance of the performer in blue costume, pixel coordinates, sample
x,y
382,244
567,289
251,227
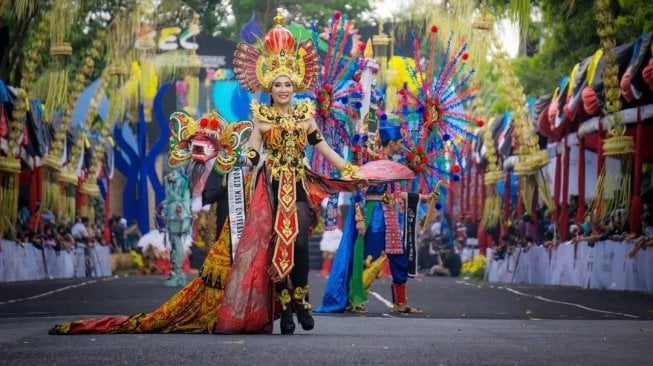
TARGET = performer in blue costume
x,y
371,235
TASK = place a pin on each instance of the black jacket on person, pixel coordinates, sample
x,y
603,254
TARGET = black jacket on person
x,y
453,263
214,192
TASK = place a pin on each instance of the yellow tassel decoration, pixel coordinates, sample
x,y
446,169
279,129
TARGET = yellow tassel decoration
x,y
612,190
492,205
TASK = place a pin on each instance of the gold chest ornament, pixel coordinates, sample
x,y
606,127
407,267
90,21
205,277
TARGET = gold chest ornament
x,y
286,139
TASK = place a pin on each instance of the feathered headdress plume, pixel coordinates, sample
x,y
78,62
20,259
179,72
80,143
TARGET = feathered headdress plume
x,y
338,89
437,131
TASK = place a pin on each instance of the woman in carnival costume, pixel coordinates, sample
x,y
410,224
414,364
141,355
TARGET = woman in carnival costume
x,y
272,255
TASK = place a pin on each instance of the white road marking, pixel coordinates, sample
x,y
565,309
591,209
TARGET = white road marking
x,y
380,298
56,290
571,304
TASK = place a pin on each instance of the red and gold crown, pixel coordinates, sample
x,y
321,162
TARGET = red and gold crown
x,y
256,69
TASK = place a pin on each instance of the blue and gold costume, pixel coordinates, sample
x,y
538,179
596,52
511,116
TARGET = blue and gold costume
x,y
359,258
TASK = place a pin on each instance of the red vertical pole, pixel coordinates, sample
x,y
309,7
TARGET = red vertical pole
x,y
482,239
36,180
564,210
600,159
450,199
635,201
505,214
463,187
468,186
600,162
80,198
477,196
520,199
556,188
580,214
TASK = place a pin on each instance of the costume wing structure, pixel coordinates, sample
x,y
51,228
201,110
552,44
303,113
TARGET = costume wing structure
x,y
338,90
308,53
181,129
246,57
437,130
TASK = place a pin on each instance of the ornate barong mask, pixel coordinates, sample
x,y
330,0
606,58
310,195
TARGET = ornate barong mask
x,y
277,55
208,137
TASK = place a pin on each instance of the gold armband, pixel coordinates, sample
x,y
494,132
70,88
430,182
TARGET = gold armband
x,y
253,155
350,171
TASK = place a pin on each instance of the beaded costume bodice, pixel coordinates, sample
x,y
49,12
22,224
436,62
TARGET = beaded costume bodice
x,y
286,139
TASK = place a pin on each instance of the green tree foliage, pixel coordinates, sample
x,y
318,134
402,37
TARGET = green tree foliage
x,y
211,14
634,17
299,12
569,36
93,17
493,95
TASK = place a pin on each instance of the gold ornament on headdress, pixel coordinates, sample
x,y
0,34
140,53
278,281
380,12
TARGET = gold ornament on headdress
x,y
279,56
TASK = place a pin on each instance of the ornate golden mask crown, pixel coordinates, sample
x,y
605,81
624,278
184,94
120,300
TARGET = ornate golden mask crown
x,y
206,138
279,56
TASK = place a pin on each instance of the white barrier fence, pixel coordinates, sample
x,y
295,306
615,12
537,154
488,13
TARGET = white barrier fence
x,y
23,262
606,265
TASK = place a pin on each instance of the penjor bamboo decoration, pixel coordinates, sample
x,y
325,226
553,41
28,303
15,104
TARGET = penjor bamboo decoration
x,y
53,88
68,177
617,145
120,39
492,206
10,164
531,158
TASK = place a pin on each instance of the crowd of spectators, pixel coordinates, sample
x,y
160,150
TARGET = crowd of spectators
x,y
41,229
442,237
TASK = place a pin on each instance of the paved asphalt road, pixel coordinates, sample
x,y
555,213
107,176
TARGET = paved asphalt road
x,y
464,322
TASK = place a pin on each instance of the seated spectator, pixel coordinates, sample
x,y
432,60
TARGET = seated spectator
x,y
449,266
118,235
132,234
426,256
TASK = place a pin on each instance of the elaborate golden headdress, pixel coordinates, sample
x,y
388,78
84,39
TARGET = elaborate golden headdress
x,y
256,69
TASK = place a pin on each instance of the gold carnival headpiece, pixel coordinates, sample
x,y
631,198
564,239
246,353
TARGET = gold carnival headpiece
x,y
279,56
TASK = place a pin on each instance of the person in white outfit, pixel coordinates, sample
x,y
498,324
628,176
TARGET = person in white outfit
x,y
332,235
